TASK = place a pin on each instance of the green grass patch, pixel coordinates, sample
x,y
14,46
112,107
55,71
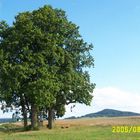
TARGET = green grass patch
x,y
71,133
10,128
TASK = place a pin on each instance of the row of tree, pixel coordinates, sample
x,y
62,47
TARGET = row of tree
x,y
42,64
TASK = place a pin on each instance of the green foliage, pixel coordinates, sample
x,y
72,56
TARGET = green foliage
x,y
42,61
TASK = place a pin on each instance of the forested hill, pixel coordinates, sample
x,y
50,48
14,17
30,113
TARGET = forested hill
x,y
111,113
108,113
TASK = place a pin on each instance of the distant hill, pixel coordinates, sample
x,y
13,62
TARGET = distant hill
x,y
108,113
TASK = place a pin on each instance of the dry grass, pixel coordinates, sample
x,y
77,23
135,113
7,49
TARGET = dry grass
x,y
103,121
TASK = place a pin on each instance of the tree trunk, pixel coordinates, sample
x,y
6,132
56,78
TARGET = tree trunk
x,y
40,118
34,117
50,118
24,112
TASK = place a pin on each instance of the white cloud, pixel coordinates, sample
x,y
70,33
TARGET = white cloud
x,y
108,97
115,98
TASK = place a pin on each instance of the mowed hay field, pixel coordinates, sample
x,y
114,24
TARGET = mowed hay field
x,y
79,129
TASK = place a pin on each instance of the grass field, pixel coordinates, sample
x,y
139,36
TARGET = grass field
x,y
80,129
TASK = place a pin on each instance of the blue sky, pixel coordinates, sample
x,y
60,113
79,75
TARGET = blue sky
x,y
113,26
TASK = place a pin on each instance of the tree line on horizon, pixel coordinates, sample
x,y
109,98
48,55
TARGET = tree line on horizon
x,y
43,61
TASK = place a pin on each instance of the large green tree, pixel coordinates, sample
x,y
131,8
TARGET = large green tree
x,y
43,61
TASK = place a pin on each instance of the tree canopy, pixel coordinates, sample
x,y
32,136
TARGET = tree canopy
x,y
42,63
